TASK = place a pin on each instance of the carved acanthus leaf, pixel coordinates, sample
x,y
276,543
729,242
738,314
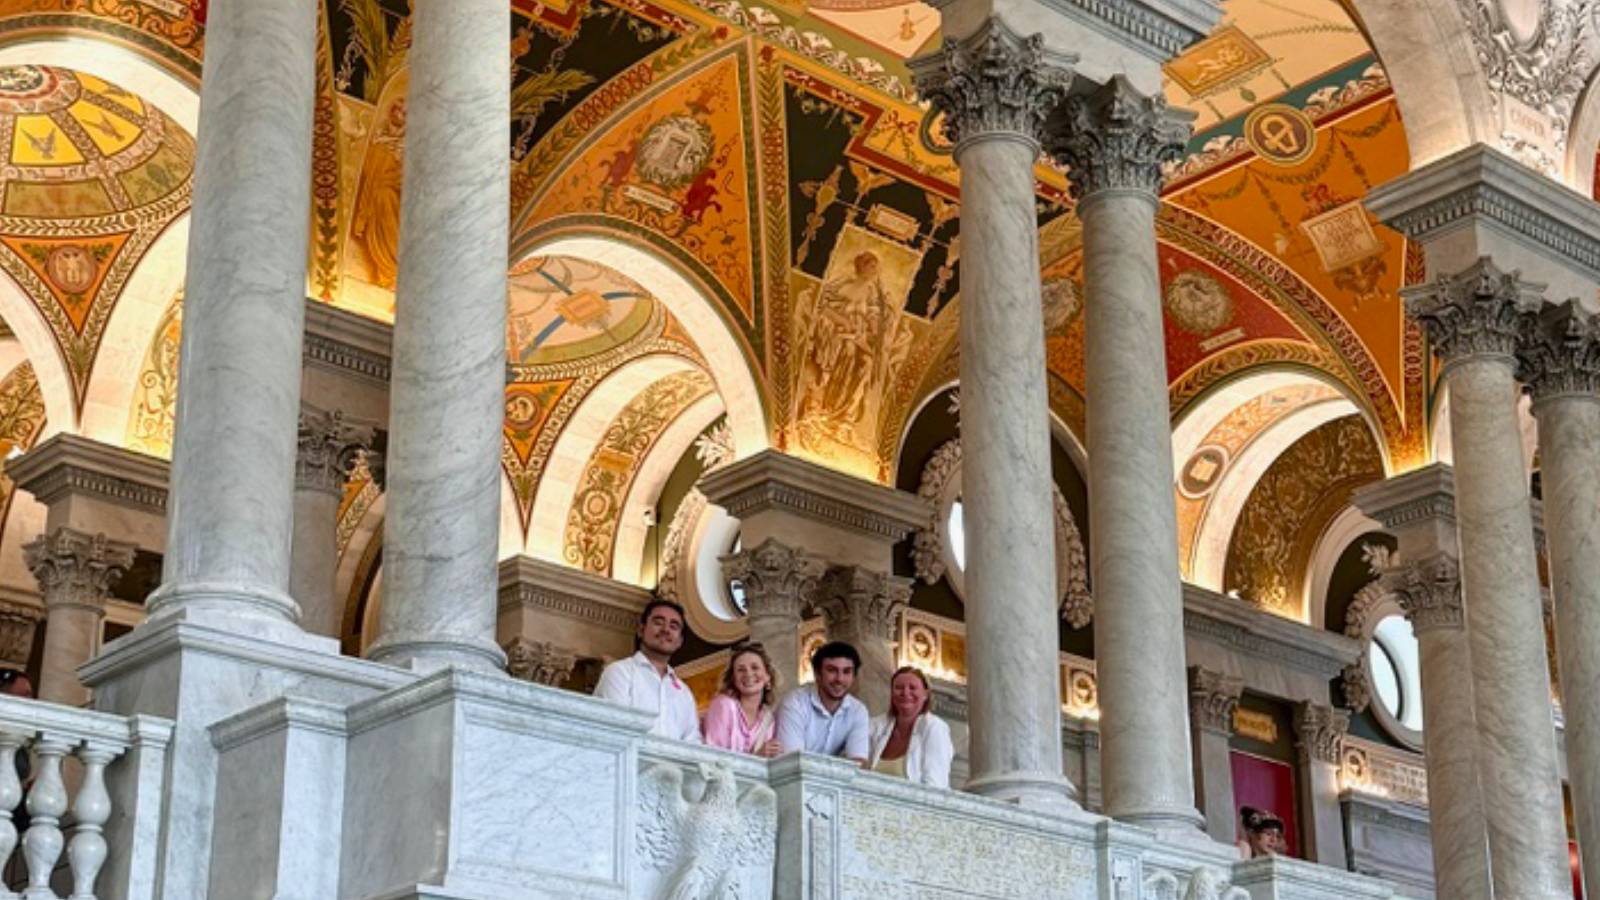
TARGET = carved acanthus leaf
x,y
1475,312
1559,353
1116,138
993,82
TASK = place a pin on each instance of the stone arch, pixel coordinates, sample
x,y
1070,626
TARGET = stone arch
x,y
1226,440
1427,50
1583,139
730,362
627,557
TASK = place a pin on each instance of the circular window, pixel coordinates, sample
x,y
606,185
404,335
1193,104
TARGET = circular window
x,y
1396,672
956,528
734,586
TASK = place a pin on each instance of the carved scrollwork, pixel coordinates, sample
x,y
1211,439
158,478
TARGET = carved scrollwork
x,y
941,484
862,603
993,82
1321,731
777,578
75,568
540,662
330,447
1117,138
1476,312
1213,698
1559,351
1548,71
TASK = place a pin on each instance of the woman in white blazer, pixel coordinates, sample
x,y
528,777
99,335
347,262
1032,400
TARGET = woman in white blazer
x,y
909,741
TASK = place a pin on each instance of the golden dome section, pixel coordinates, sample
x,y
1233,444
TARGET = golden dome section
x,y
76,146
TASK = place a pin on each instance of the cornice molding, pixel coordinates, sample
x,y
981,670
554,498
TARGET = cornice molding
x,y
1160,29
1422,495
68,464
771,480
346,342
1482,184
1244,629
528,583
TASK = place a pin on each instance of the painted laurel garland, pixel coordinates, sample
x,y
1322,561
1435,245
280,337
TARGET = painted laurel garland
x,y
940,485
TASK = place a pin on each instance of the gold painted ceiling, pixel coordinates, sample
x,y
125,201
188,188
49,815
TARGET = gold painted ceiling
x,y
774,156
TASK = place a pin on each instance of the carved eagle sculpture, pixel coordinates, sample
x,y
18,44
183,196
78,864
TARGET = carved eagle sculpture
x,y
703,844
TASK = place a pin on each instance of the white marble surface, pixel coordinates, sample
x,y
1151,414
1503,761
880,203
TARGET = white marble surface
x,y
441,535
1569,436
1505,627
230,509
315,558
1146,770
1012,630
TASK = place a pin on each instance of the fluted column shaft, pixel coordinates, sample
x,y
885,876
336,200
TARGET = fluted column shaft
x,y
75,571
1471,319
1560,361
1114,142
995,90
329,446
863,607
777,580
446,401
230,504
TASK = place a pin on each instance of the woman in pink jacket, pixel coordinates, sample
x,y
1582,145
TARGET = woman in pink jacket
x,y
740,717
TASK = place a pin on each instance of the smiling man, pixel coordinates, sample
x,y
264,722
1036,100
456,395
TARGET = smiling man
x,y
822,717
645,680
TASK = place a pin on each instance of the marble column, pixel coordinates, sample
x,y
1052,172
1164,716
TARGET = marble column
x,y
329,447
1471,319
777,581
231,509
1559,359
862,607
1319,736
1213,699
995,89
447,393
76,572
1114,142
1418,508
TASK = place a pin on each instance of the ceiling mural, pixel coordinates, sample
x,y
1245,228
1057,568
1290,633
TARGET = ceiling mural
x,y
1300,493
93,175
155,397
21,422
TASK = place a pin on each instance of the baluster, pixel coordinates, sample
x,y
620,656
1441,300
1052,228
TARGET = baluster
x,y
47,801
91,809
10,796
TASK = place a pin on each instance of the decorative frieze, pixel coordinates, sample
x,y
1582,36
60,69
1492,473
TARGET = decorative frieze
x,y
540,662
76,569
778,482
1474,313
1213,699
330,445
1117,139
994,82
68,464
1559,352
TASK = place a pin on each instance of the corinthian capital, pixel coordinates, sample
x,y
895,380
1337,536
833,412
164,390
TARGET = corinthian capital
x,y
1213,698
1321,731
329,447
861,603
1429,590
75,568
1474,313
993,82
1115,138
540,662
1559,352
776,578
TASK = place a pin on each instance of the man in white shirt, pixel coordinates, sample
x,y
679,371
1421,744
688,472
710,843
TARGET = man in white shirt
x,y
645,680
822,717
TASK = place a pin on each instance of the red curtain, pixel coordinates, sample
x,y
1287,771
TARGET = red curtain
x,y
1266,784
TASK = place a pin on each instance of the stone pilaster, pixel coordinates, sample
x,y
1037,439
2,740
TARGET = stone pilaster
x,y
329,445
995,89
1114,142
777,581
447,396
1213,698
862,606
1559,362
1473,319
1319,736
1419,509
76,572
540,662
227,551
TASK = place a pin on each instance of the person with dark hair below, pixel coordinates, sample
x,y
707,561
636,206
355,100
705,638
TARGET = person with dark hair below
x,y
1263,833
740,717
909,741
645,680
822,717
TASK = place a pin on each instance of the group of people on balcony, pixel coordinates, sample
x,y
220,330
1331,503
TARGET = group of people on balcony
x,y
905,741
